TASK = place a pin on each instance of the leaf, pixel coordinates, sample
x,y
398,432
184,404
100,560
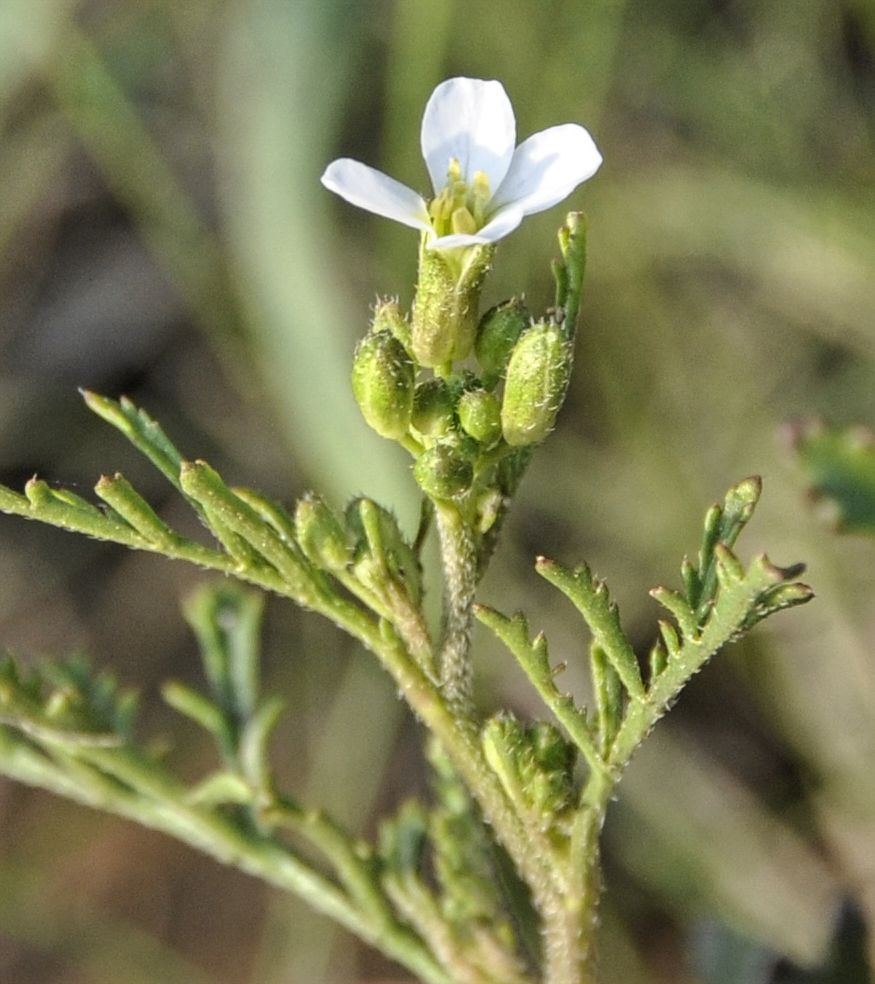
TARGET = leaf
x,y
141,430
533,657
742,598
723,524
590,597
66,704
226,619
241,529
840,466
118,493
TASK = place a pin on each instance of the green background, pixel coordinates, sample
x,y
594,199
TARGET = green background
x,y
163,234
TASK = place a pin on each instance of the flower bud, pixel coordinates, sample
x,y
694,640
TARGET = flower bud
x,y
447,300
382,381
443,471
553,784
320,534
489,506
433,414
504,742
552,752
499,330
480,416
381,550
537,379
388,316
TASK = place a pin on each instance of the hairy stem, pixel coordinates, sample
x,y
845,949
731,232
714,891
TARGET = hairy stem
x,y
459,556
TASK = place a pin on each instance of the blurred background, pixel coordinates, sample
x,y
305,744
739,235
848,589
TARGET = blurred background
x,y
163,234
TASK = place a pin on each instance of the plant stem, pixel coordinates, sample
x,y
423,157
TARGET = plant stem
x,y
459,556
103,782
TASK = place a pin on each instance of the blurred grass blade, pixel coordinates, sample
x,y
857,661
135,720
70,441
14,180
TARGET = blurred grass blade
x,y
694,833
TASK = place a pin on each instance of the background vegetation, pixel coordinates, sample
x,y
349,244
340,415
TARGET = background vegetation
x,y
163,234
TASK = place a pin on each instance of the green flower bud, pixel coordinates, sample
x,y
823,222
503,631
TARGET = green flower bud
x,y
551,750
504,745
381,549
480,416
447,301
466,446
388,316
489,506
537,380
443,472
554,757
320,534
433,414
499,330
382,381
535,765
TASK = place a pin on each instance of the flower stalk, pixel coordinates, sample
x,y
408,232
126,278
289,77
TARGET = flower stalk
x,y
460,563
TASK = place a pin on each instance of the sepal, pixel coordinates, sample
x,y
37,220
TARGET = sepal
x,y
445,311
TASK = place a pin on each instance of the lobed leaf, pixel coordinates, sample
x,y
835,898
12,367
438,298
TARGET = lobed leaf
x,y
590,597
840,466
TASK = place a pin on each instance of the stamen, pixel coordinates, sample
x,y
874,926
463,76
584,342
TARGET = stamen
x,y
463,221
460,207
480,195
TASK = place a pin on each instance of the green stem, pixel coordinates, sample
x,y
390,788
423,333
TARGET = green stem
x,y
104,781
353,867
459,556
530,855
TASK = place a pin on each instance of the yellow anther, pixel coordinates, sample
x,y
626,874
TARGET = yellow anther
x,y
442,206
463,221
460,207
480,195
480,184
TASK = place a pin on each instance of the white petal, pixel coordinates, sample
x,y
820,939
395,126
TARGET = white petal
x,y
499,226
376,192
547,167
473,121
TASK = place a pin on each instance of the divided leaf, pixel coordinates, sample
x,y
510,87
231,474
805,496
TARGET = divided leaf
x,y
533,657
590,597
840,465
66,703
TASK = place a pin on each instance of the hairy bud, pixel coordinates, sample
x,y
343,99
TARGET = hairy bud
x,y
498,333
382,381
433,414
321,534
480,416
537,379
443,471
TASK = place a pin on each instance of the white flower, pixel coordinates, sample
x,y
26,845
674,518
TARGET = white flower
x,y
484,186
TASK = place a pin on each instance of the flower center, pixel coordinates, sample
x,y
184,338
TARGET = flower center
x,y
460,207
